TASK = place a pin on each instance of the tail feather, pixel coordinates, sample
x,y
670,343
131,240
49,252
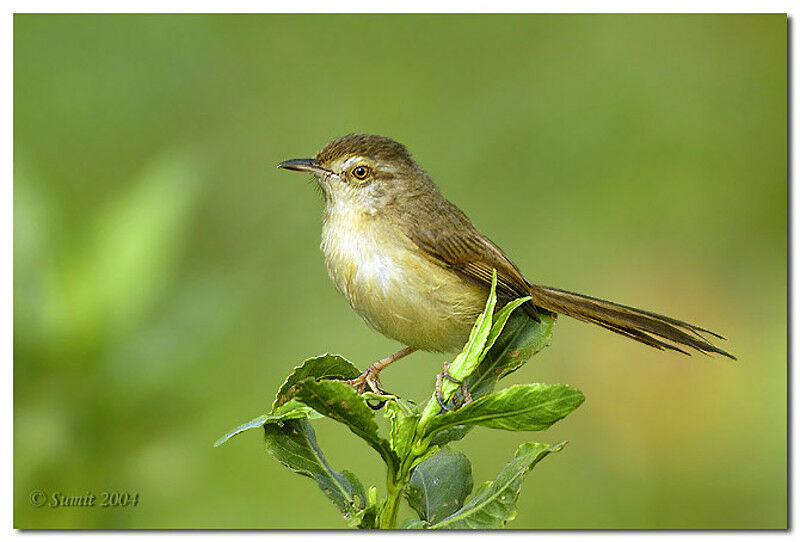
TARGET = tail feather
x,y
643,326
640,336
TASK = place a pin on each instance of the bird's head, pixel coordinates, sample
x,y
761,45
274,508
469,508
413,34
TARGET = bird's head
x,y
367,172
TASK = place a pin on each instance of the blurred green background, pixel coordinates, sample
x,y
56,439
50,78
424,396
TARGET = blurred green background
x,y
167,277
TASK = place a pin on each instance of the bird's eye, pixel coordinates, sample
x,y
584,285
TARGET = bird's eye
x,y
360,172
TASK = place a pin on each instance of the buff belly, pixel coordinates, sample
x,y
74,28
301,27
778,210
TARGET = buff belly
x,y
398,291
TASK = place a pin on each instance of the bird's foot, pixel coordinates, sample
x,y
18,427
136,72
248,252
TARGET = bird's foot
x,y
458,402
368,379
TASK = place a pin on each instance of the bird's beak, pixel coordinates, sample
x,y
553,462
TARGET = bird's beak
x,y
302,164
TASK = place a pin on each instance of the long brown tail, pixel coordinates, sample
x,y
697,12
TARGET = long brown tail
x,y
643,326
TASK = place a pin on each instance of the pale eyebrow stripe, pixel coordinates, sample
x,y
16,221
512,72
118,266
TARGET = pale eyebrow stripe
x,y
351,161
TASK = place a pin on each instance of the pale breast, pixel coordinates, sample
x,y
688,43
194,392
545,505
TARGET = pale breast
x,y
394,288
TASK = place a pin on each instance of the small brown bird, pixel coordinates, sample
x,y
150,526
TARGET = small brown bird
x,y
413,266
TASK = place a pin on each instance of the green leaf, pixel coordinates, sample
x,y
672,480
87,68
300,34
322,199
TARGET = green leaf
x,y
252,424
294,444
326,366
288,411
499,322
403,419
456,432
367,518
342,403
521,338
439,485
494,503
524,407
470,356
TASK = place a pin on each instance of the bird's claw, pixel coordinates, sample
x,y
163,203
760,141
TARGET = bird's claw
x,y
367,379
466,396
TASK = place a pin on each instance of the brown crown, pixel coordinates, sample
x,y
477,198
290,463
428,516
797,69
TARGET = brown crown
x,y
375,146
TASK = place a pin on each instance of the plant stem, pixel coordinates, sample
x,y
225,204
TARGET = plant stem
x,y
389,515
395,483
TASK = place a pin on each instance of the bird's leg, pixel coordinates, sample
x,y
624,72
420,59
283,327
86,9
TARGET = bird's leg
x,y
445,374
369,378
439,396
465,392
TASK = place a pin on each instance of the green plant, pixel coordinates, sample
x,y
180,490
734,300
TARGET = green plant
x,y
434,479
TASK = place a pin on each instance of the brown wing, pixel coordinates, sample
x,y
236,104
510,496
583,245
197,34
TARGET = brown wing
x,y
446,235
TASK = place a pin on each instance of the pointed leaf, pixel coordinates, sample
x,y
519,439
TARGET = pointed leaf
x,y
294,444
403,419
440,485
520,339
325,366
470,356
494,503
499,321
342,403
524,407
288,411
